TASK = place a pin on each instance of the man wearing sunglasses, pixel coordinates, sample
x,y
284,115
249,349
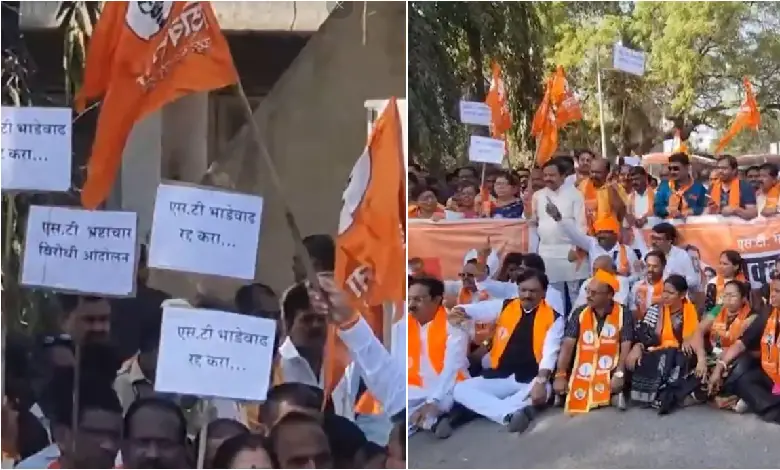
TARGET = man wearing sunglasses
x,y
680,196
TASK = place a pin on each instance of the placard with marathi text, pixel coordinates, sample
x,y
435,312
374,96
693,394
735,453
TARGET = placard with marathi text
x,y
76,250
205,231
211,353
36,148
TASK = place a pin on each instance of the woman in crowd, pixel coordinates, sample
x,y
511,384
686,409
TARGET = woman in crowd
x,y
507,204
464,200
732,266
424,204
720,328
662,360
243,451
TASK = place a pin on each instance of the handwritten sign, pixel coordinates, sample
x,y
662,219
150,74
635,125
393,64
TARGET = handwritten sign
x,y
628,60
474,112
486,150
205,231
79,250
215,354
36,149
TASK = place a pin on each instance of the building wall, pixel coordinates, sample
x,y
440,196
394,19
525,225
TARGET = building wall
x,y
314,125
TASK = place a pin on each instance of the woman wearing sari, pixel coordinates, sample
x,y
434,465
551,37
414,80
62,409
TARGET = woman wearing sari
x,y
720,328
464,202
426,205
506,204
732,266
663,361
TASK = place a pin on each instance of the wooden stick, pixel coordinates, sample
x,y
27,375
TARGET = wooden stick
x,y
6,309
74,423
207,411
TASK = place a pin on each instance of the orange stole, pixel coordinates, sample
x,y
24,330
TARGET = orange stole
x,y
645,298
690,323
623,269
413,211
596,355
650,202
507,322
437,346
720,284
772,197
677,202
717,188
596,202
770,348
727,335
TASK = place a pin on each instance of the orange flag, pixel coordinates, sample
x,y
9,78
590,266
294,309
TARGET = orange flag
x,y
567,106
678,145
544,127
142,56
747,116
370,235
500,119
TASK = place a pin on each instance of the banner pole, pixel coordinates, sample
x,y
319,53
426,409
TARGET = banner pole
x,y
601,106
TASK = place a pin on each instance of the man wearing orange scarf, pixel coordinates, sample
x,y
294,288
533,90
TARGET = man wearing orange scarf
x,y
596,342
436,357
769,195
602,198
525,345
730,196
759,387
648,291
680,195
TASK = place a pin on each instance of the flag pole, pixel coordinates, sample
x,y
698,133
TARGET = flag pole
x,y
601,105
276,181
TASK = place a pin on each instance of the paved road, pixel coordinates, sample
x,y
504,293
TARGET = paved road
x,y
697,437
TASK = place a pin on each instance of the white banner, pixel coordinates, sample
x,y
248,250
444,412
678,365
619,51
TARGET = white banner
x,y
205,231
628,60
474,112
36,149
486,150
215,354
76,250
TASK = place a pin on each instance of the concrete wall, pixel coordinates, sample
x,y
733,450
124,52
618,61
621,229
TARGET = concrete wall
x,y
314,124
239,16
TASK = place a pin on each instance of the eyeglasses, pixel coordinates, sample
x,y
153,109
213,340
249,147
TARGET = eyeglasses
x,y
675,168
466,275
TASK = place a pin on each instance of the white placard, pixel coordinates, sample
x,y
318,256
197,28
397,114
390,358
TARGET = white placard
x,y
78,250
205,231
486,150
774,148
36,149
474,112
668,145
215,354
632,160
628,60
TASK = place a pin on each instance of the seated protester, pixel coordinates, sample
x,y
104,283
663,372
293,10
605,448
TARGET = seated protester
x,y
604,242
464,202
753,177
155,435
680,195
23,437
507,204
416,268
604,263
649,290
663,360
258,300
298,440
719,329
217,432
768,196
424,204
758,385
732,267
510,268
436,357
640,200
243,451
524,349
99,422
348,444
288,397
664,238
731,196
590,375
475,285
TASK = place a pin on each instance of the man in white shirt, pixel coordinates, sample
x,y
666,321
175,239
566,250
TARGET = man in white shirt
x,y
604,243
437,357
640,200
678,261
475,285
523,354
555,245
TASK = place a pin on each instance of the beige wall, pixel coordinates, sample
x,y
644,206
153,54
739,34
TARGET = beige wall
x,y
315,125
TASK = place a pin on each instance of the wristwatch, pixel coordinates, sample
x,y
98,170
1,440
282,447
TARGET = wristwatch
x,y
540,380
619,374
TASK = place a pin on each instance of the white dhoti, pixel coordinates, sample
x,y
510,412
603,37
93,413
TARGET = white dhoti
x,y
494,399
417,397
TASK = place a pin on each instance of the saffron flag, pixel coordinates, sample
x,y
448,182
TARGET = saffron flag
x,y
370,236
747,116
678,145
544,127
567,106
500,119
142,56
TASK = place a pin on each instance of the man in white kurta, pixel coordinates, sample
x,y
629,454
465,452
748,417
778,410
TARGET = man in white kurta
x,y
555,246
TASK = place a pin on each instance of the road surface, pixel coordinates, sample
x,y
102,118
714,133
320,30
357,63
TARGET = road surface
x,y
698,437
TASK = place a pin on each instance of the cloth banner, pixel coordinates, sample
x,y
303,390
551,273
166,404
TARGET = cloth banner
x,y
442,245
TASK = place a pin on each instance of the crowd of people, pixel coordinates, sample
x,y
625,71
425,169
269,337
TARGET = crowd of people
x,y
594,317
118,420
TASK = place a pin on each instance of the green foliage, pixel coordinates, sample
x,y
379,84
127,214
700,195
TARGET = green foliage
x,y
697,54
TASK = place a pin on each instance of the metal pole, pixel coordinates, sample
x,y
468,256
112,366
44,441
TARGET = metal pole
x,y
601,106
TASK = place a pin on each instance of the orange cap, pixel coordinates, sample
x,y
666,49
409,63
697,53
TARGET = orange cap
x,y
607,224
608,279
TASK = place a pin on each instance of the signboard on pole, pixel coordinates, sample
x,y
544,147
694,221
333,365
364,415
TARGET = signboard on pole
x,y
628,60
